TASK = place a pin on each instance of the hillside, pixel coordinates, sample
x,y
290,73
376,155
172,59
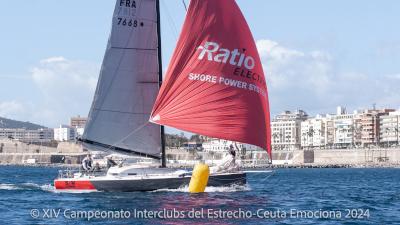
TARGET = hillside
x,y
8,123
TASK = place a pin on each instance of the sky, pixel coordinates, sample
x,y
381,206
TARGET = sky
x,y
316,54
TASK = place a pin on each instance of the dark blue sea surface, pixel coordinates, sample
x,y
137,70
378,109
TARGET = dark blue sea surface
x,y
285,196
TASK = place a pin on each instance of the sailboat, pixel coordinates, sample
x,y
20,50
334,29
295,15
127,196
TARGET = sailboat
x,y
214,86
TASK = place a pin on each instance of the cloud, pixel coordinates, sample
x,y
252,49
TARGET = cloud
x,y
312,81
66,86
393,76
58,72
288,68
296,80
268,48
53,60
11,108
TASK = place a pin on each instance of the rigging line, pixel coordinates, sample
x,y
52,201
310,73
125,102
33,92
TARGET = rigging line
x,y
127,136
184,5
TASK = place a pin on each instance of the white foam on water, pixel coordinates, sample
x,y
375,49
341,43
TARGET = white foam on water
x,y
74,191
27,186
30,186
33,186
47,187
232,188
181,189
9,187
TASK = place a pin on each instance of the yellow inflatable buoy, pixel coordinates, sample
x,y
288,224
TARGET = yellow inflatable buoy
x,y
199,179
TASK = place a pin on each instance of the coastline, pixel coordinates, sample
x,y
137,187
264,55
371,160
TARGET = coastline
x,y
70,155
259,167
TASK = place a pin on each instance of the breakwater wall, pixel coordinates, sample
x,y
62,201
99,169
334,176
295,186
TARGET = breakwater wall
x,y
339,156
299,158
70,153
19,153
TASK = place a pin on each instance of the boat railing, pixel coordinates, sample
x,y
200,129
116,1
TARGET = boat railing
x,y
68,173
71,173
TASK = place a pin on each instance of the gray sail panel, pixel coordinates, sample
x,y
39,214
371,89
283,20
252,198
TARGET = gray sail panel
x,y
128,82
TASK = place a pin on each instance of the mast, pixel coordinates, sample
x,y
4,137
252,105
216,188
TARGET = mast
x,y
163,156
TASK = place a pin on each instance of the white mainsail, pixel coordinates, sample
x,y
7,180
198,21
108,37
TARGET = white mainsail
x,y
128,83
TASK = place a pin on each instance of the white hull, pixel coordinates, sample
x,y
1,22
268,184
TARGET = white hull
x,y
136,178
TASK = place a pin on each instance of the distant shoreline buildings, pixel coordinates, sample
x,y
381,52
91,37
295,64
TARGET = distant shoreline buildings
x,y
289,131
365,128
72,131
62,133
27,135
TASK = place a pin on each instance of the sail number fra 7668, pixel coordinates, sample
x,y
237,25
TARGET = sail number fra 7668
x,y
128,22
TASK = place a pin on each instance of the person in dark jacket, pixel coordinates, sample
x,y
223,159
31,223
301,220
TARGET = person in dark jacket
x,y
87,163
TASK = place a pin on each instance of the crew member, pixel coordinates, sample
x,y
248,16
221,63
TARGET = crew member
x,y
232,151
110,162
87,163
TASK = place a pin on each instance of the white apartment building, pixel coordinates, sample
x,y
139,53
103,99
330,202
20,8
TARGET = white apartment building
x,y
313,132
286,130
339,129
65,133
79,131
343,126
21,134
343,130
390,128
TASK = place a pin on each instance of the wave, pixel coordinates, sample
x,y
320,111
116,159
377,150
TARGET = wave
x,y
74,191
50,188
232,188
27,186
9,187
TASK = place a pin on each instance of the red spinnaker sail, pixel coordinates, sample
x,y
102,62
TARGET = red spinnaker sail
x,y
215,84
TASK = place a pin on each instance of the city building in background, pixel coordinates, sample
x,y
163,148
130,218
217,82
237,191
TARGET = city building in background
x,y
78,122
370,126
389,129
65,133
25,135
313,132
363,128
341,126
286,130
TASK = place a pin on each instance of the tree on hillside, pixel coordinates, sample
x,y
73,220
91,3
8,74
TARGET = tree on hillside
x,y
175,140
195,138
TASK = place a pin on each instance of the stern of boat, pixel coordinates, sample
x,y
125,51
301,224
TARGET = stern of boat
x,y
70,180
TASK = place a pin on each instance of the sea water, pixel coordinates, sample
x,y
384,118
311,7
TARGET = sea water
x,y
284,196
